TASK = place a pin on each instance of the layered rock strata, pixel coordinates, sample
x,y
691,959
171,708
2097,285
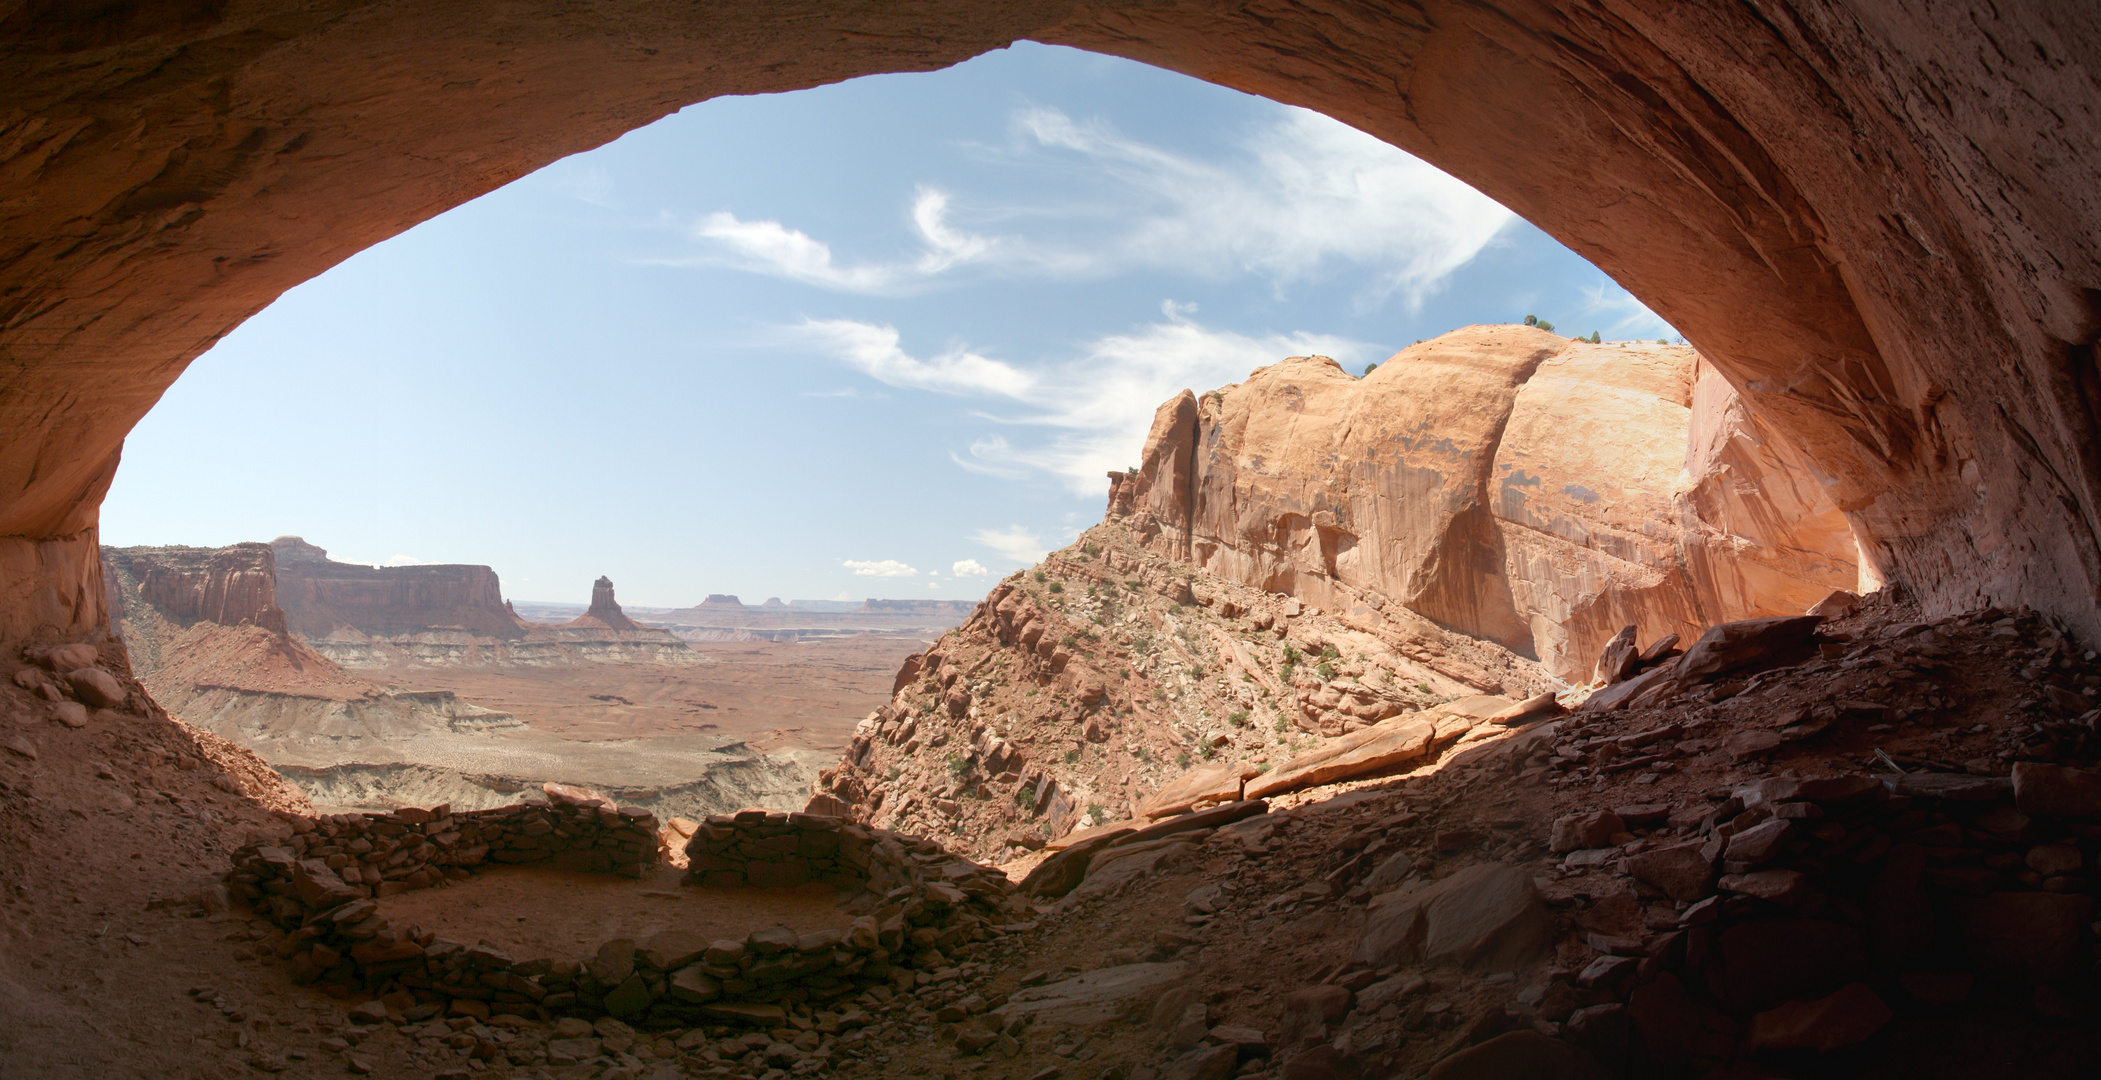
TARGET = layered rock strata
x,y
1501,481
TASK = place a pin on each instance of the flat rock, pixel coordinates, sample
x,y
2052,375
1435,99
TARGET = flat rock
x,y
1514,1054
1095,997
1487,914
1117,867
1852,1015
1382,747
1681,871
1588,830
1762,842
1205,783
1742,745
1959,787
1749,645
1787,887
2056,790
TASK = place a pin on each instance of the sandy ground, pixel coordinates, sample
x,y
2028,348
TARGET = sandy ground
x,y
770,694
532,912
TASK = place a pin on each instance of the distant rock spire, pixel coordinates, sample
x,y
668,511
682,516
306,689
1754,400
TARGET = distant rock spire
x,y
605,609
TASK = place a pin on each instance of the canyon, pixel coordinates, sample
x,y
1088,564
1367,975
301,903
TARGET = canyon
x,y
374,687
1855,843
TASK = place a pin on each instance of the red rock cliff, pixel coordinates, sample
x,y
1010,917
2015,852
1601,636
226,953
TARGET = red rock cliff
x,y
1500,480
229,585
319,595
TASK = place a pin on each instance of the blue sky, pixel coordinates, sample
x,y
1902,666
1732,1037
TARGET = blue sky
x,y
881,338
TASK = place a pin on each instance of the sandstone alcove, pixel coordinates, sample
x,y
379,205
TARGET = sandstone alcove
x,y
1878,225
1873,225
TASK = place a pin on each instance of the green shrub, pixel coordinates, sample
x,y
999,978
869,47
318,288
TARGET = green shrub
x,y
1531,320
1595,339
1091,550
1182,759
1024,799
1662,341
1262,768
1039,577
1326,671
1095,811
1327,652
1057,586
1072,756
1291,656
1237,718
1546,326
1208,751
1369,368
956,765
1132,471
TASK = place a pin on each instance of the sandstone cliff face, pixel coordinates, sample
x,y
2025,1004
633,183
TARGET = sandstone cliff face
x,y
321,596
1904,290
229,585
1501,481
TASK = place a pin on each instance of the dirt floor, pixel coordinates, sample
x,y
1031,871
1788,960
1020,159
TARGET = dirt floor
x,y
533,912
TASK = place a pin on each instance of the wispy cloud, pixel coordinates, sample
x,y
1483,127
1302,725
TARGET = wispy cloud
x,y
1297,197
874,351
769,247
1074,417
885,568
1015,542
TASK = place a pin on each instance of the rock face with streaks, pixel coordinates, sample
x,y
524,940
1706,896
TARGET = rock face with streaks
x,y
322,596
1501,481
1877,226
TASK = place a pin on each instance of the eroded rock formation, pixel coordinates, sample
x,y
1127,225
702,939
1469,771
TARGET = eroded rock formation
x,y
322,596
1875,226
1499,480
605,612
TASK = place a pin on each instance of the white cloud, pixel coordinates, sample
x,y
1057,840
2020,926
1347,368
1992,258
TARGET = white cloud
x,y
1300,195
769,247
885,568
1095,407
968,568
404,560
874,351
1306,191
933,584
1015,542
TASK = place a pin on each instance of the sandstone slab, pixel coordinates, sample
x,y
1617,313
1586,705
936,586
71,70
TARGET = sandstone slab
x,y
2040,788
1487,915
1095,997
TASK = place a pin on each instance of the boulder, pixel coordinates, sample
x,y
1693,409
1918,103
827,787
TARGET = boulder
x,y
96,687
1590,830
1681,871
1747,646
1486,915
2040,788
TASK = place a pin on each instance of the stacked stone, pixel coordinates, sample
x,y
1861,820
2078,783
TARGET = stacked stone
x,y
411,848
1811,905
926,902
770,849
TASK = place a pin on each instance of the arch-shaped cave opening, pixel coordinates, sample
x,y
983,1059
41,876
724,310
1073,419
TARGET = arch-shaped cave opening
x,y
1870,223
